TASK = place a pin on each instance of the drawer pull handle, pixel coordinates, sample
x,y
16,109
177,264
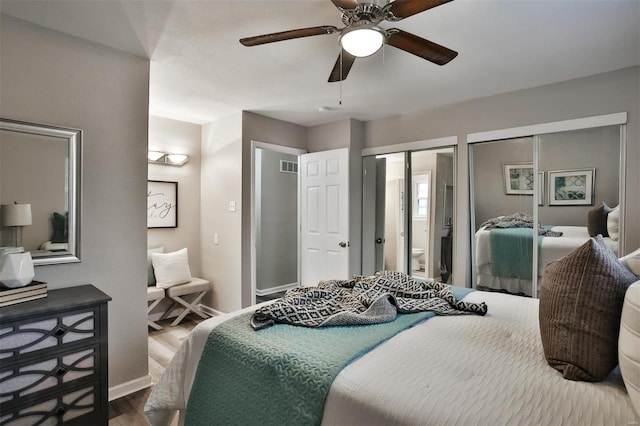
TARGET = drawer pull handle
x,y
61,371
60,331
60,411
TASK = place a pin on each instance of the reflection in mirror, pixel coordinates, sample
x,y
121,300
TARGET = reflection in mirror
x,y
578,180
502,185
422,210
40,166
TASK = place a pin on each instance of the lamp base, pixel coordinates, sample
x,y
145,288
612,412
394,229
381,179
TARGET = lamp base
x,y
16,269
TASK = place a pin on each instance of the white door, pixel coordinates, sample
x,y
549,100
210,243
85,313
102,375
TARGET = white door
x,y
324,216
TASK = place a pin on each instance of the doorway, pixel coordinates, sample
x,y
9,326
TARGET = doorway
x,y
275,220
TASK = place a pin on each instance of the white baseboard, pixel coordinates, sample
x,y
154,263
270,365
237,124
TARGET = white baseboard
x,y
277,289
130,387
210,311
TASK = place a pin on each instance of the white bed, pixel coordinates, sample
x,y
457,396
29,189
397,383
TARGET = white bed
x,y
458,370
552,248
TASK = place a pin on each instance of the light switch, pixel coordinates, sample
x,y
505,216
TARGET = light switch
x,y
232,206
216,239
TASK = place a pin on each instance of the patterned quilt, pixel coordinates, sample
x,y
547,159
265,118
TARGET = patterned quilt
x,y
362,300
519,220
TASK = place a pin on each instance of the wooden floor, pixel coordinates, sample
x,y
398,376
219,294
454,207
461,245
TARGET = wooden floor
x,y
129,410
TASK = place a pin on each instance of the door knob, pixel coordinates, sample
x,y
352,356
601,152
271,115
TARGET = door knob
x,y
379,240
342,244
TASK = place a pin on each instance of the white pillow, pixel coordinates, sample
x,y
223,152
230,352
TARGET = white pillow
x,y
613,223
632,262
171,268
629,344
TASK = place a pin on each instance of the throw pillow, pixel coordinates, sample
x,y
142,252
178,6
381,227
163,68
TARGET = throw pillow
x,y
629,344
171,268
613,223
151,277
597,220
632,262
60,229
580,304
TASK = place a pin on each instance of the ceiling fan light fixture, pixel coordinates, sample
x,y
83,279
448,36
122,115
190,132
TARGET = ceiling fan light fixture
x,y
362,41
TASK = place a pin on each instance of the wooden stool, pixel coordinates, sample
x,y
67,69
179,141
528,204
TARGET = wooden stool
x,y
196,286
155,296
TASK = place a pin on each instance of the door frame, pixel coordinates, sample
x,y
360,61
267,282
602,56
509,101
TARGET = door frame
x,y
285,150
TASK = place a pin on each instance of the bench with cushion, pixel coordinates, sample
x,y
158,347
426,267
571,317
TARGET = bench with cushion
x,y
170,277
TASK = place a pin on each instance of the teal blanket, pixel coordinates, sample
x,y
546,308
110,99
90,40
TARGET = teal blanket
x,y
512,252
279,375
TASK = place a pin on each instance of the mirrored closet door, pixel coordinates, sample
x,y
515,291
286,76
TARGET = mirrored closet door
x,y
408,213
565,185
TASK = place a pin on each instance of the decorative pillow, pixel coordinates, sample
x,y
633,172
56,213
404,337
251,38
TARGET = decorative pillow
x,y
632,262
629,344
171,268
613,223
580,305
151,277
60,229
597,220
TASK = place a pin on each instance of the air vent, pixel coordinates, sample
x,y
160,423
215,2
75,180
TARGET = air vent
x,y
288,166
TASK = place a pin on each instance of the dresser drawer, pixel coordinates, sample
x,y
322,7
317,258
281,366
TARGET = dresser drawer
x,y
74,406
25,379
20,339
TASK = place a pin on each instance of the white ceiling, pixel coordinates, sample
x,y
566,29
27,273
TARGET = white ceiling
x,y
200,72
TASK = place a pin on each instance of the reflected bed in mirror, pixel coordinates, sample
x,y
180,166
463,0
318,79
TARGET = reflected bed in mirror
x,y
40,166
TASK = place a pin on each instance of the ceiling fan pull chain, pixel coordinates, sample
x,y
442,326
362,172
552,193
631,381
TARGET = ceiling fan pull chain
x,y
340,96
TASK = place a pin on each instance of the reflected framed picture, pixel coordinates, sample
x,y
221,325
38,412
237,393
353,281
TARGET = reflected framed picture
x,y
571,187
162,204
518,178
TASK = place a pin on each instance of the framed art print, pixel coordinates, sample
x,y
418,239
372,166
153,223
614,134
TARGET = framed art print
x,y
162,204
571,187
518,178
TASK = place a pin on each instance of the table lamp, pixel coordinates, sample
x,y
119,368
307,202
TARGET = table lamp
x,y
16,216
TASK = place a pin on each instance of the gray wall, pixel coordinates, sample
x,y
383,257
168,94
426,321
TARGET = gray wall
x,y
178,137
277,222
48,77
606,93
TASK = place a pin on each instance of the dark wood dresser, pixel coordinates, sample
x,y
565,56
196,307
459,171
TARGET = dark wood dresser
x,y
54,359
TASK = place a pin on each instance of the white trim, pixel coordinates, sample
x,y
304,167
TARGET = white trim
x,y
285,150
283,287
210,311
444,142
127,388
551,127
623,190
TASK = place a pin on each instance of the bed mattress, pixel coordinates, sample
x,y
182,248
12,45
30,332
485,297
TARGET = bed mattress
x,y
445,371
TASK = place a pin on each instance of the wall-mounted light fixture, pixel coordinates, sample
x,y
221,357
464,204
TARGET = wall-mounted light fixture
x,y
158,157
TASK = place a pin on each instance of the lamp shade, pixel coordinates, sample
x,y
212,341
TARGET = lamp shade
x,y
15,214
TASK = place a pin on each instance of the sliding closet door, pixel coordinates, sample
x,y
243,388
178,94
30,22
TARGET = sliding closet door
x,y
582,182
408,213
502,182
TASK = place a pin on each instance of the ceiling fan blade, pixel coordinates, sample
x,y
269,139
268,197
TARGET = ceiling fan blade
x,y
288,35
345,62
425,49
401,9
345,4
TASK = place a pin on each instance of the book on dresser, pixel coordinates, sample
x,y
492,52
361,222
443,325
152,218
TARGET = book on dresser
x,y
34,290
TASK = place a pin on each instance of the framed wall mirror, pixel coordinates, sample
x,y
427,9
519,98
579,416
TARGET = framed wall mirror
x,y
40,167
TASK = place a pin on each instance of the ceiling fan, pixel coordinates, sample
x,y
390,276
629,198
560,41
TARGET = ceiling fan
x,y
362,36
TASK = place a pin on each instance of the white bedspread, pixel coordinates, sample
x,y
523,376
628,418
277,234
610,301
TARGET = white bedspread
x,y
552,248
448,370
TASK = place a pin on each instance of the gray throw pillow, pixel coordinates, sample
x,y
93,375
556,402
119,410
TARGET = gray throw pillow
x,y
597,220
581,302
